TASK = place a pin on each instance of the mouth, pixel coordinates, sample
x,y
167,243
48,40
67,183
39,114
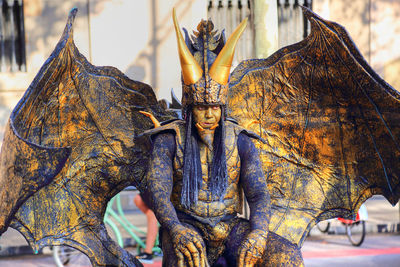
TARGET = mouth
x,y
207,124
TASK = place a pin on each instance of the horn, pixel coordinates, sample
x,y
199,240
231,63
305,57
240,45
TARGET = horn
x,y
221,67
191,71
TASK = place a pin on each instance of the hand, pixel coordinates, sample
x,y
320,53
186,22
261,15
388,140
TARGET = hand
x,y
188,244
252,249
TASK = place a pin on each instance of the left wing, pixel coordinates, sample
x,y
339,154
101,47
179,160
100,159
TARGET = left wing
x,y
85,119
331,127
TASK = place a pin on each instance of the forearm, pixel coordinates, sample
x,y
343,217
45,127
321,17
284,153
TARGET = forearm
x,y
255,189
161,204
257,196
260,212
254,185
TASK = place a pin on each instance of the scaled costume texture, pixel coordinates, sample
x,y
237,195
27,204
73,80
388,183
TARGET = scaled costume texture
x,y
325,125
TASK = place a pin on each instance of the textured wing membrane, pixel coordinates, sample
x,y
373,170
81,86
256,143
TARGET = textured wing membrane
x,y
94,111
22,175
331,127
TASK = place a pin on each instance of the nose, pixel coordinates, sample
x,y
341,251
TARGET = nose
x,y
208,112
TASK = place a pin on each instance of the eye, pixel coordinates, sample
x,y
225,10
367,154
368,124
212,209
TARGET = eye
x,y
215,107
200,107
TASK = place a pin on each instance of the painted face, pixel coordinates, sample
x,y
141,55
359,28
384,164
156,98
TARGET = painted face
x,y
207,116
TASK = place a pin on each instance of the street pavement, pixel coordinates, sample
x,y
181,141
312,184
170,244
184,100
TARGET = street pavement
x,y
321,250
335,250
380,248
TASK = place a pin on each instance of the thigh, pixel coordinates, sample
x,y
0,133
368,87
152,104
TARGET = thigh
x,y
279,251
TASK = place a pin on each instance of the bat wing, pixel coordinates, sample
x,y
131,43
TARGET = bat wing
x,y
82,121
331,128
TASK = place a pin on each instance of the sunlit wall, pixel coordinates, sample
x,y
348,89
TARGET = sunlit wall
x,y
137,37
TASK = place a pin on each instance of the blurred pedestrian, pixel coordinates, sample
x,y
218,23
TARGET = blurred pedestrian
x,y
152,230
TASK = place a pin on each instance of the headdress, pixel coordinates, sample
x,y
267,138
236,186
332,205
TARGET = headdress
x,y
206,62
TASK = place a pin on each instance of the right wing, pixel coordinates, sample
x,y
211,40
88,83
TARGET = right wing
x,y
331,127
93,112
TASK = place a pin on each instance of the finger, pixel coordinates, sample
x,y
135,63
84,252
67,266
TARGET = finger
x,y
198,245
241,257
194,253
188,256
202,254
248,259
181,259
251,257
204,260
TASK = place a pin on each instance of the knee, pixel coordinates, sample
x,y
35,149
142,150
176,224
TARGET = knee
x,y
282,252
140,203
137,200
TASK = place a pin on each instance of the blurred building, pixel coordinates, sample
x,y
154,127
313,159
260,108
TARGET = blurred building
x,y
137,36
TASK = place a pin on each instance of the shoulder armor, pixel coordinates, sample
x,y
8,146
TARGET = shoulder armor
x,y
175,126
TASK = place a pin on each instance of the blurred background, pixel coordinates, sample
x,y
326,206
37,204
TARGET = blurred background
x,y
137,36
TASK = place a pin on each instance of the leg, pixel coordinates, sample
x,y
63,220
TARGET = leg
x,y
282,252
152,224
279,252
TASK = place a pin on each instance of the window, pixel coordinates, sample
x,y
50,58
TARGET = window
x,y
12,36
227,15
293,25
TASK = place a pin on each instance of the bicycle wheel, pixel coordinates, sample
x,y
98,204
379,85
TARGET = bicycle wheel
x,y
323,226
114,233
356,232
67,256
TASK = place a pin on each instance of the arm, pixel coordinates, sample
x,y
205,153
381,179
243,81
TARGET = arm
x,y
255,188
159,180
188,244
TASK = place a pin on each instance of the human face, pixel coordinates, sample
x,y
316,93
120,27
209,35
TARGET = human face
x,y
207,116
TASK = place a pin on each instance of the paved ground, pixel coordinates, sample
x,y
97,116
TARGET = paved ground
x,y
321,250
47,260
335,250
381,247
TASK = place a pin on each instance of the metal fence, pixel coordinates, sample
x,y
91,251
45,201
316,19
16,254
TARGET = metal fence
x,y
12,36
227,14
292,25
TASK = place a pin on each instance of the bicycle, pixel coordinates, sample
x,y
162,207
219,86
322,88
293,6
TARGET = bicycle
x,y
64,255
355,230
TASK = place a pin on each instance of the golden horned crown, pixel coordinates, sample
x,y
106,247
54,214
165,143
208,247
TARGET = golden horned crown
x,y
203,84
